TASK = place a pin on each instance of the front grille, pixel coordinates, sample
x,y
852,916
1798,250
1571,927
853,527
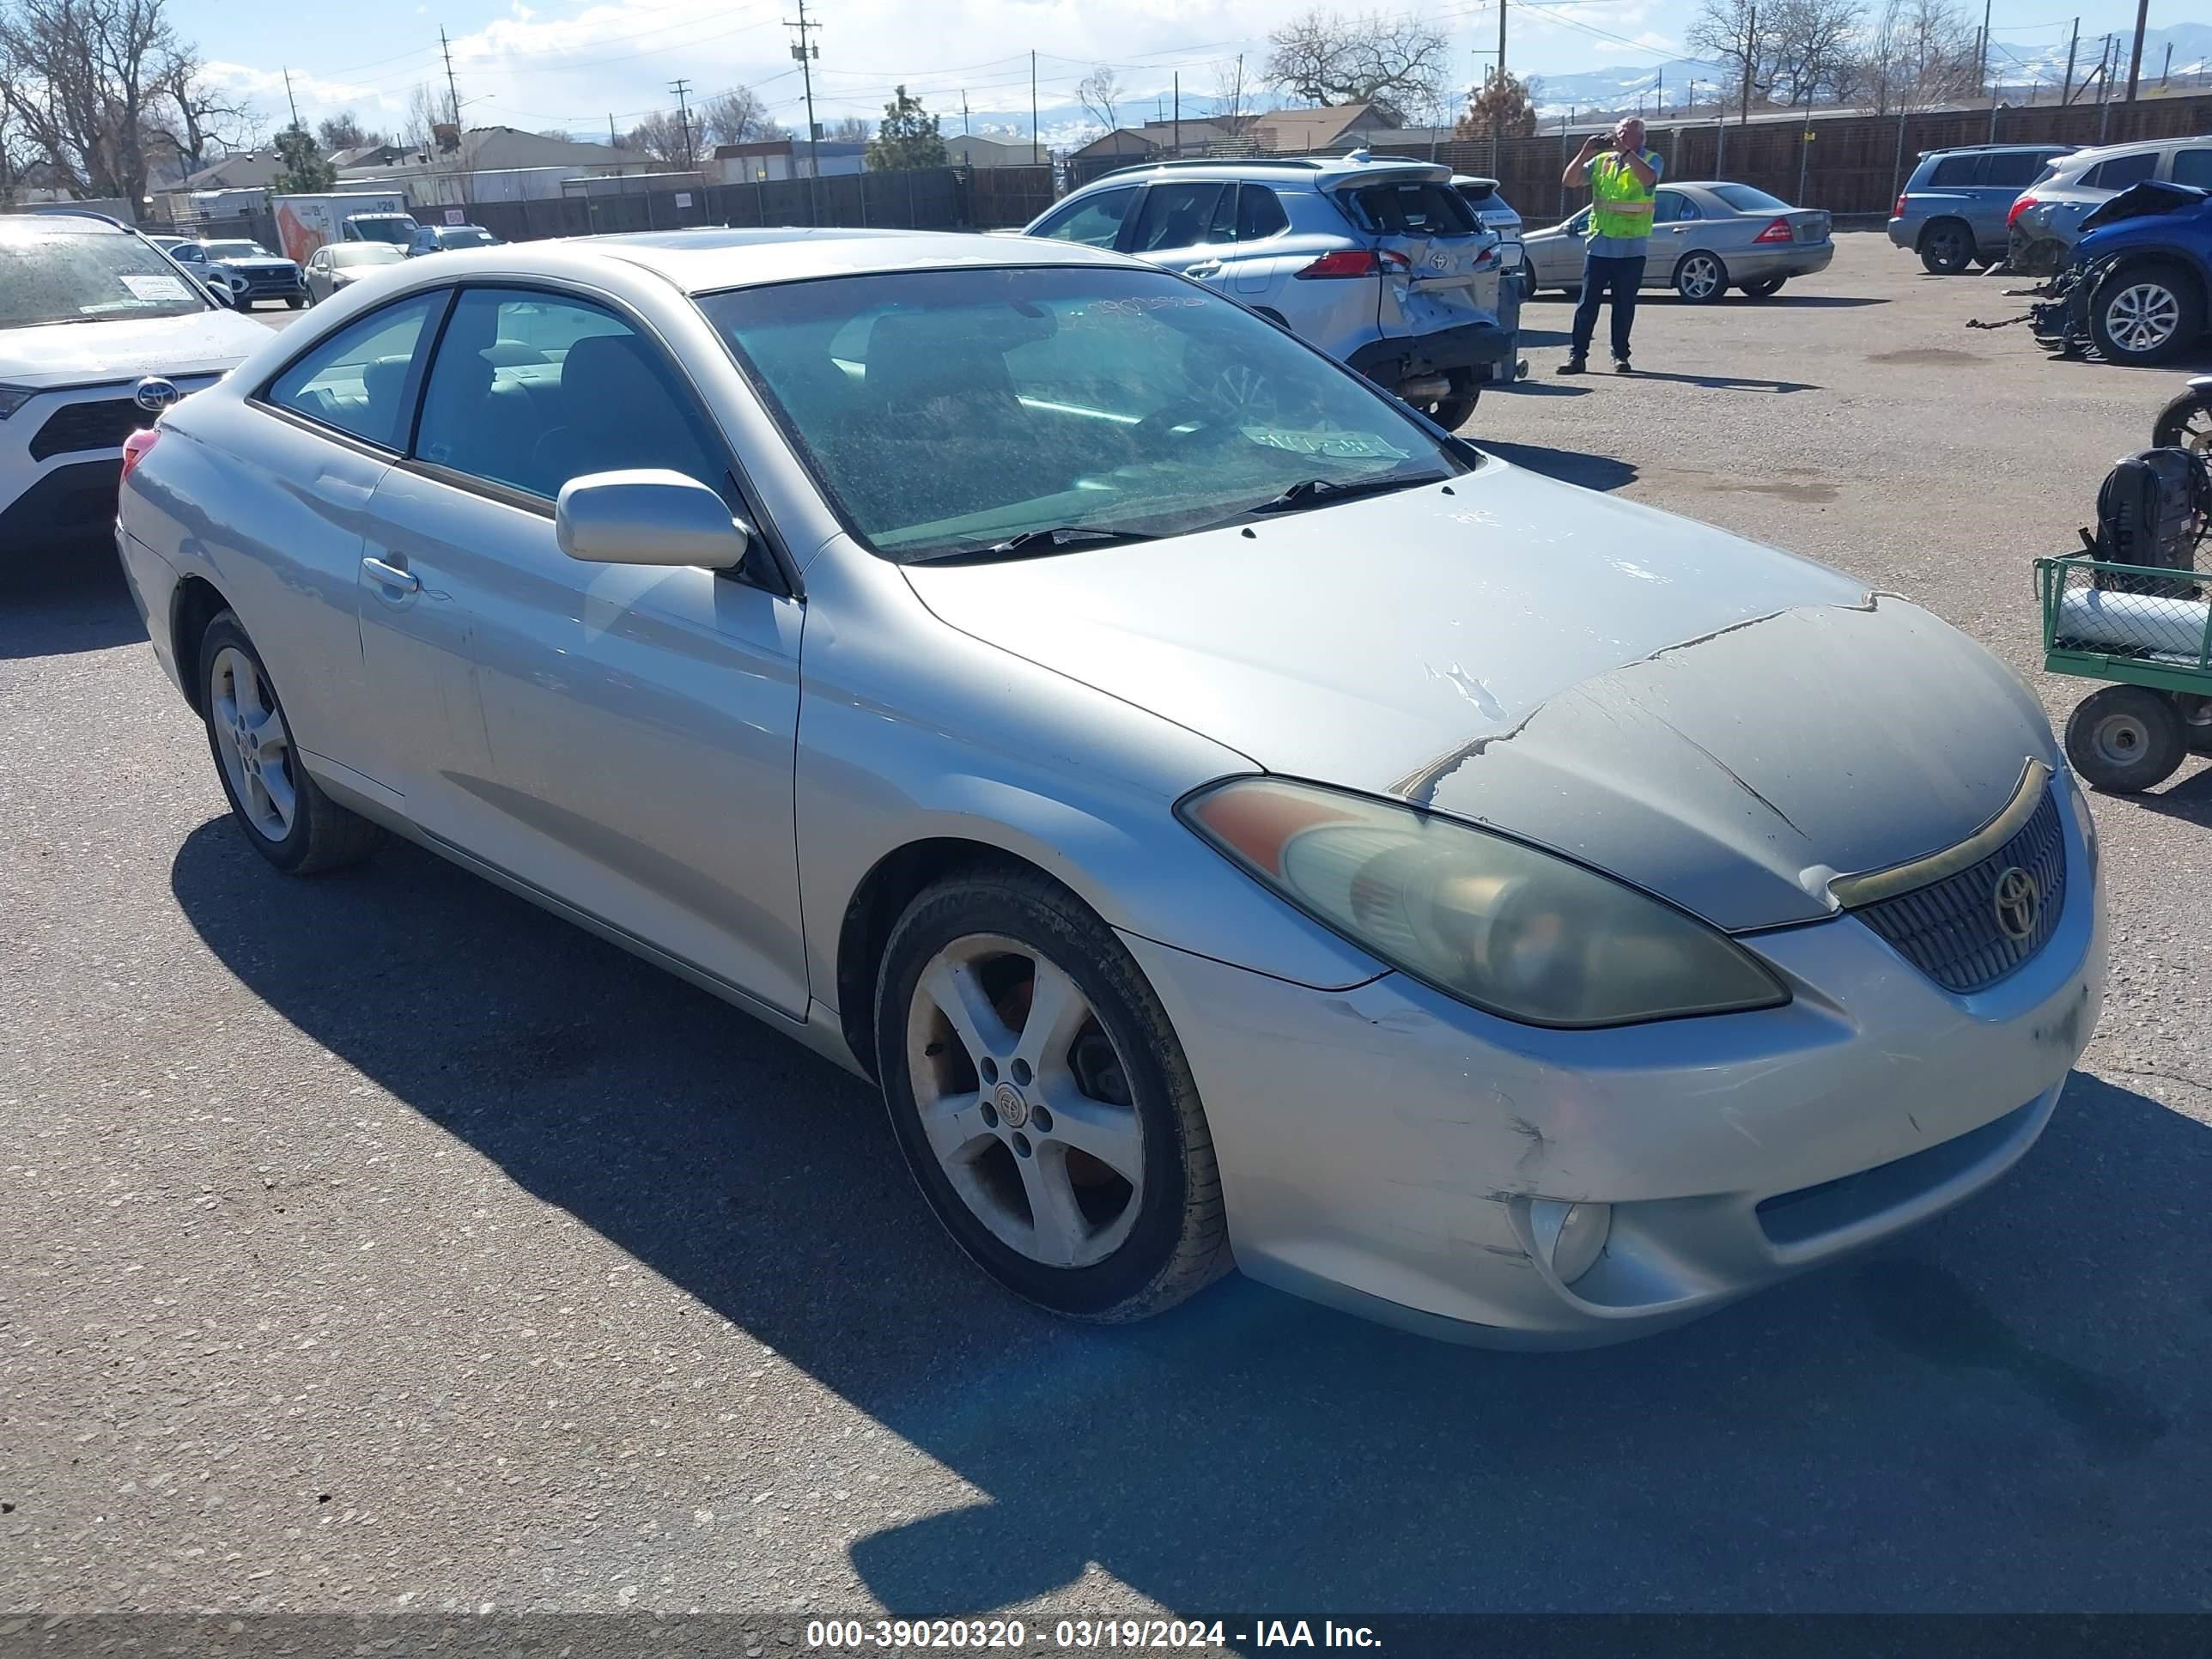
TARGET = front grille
x,y
270,281
101,425
1949,930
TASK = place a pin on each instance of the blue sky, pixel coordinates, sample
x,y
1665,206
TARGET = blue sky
x,y
570,63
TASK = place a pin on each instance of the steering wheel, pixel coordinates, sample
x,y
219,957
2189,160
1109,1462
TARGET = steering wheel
x,y
1153,432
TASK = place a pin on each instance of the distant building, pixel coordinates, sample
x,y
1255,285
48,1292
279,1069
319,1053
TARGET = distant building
x,y
251,169
964,149
770,159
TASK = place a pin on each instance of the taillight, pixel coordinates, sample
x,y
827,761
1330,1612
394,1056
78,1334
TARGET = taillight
x,y
1899,211
2018,207
136,447
1344,262
1778,232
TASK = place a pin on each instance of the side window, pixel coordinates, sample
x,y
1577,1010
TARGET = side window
x,y
1175,215
1223,229
1955,171
1259,214
1667,207
530,390
2122,171
358,380
1095,221
2193,167
2014,169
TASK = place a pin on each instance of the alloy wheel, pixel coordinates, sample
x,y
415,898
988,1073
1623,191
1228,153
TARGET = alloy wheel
x,y
1700,276
255,746
1024,1100
2142,316
2197,430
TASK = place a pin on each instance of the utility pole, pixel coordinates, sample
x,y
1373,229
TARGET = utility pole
x,y
1498,111
1034,157
2135,51
1178,112
2104,89
1659,96
2168,70
452,90
806,52
289,97
1982,56
613,142
2066,92
1750,45
682,89
963,112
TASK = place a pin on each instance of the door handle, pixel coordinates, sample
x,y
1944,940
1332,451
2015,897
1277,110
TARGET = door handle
x,y
1204,268
390,575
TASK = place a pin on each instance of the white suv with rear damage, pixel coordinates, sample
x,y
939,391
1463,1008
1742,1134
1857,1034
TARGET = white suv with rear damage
x,y
88,308
1376,260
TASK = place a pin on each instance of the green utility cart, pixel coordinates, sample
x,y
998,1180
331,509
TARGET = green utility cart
x,y
2149,632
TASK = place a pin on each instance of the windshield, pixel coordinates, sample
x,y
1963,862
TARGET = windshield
x,y
237,251
77,276
369,254
467,237
1744,199
948,411
395,229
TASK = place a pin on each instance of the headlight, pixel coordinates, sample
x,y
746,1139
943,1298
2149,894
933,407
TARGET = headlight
x,y
13,398
1518,932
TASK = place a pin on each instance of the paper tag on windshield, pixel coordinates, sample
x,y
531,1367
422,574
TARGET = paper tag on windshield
x,y
153,286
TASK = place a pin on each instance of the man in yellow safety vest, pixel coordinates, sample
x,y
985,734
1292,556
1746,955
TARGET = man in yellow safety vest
x,y
1621,175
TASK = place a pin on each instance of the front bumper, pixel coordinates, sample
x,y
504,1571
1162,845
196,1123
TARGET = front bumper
x,y
1477,346
68,507
1381,1148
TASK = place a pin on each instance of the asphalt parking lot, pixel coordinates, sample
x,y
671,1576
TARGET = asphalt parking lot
x,y
381,1242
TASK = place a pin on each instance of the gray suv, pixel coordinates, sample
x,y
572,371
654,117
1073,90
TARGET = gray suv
x,y
1953,210
2046,220
1376,260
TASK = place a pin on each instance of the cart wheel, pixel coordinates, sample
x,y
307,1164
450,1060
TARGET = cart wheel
x,y
2125,739
2196,723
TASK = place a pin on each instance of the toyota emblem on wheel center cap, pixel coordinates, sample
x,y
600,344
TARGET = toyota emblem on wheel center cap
x,y
1012,1108
2017,901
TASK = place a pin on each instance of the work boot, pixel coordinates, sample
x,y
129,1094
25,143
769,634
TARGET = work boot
x,y
1620,366
1576,364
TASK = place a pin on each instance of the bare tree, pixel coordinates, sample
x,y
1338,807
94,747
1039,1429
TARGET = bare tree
x,y
1815,42
344,132
1396,64
205,118
1099,92
1919,54
83,80
1740,36
737,117
426,111
1232,95
848,129
660,136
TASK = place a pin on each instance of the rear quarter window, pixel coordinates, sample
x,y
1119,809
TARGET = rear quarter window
x,y
2121,171
1953,172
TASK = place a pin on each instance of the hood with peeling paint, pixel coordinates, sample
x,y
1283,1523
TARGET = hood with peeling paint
x,y
1723,724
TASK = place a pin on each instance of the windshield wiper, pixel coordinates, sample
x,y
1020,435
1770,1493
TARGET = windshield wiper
x,y
1042,541
1315,492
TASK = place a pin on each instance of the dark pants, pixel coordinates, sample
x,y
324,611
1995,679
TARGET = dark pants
x,y
1622,276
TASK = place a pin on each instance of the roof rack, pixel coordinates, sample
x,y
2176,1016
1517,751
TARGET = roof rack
x,y
1309,162
64,211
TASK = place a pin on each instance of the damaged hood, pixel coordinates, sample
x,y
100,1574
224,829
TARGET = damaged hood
x,y
1725,725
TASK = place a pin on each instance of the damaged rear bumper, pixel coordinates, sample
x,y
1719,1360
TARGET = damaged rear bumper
x,y
1390,1151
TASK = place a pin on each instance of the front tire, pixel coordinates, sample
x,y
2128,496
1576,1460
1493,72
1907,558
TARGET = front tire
x,y
1946,247
282,812
2145,313
2185,423
2126,738
1041,1100
1701,279
296,302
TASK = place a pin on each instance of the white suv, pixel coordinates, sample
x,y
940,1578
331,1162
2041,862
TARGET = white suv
x,y
88,308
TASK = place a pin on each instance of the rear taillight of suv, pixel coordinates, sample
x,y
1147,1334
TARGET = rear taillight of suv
x,y
1899,211
135,448
1356,262
1779,231
2018,207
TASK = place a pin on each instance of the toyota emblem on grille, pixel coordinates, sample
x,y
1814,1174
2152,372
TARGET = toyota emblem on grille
x,y
2017,902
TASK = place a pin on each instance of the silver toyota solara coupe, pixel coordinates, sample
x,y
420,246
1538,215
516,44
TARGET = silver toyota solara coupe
x,y
1235,822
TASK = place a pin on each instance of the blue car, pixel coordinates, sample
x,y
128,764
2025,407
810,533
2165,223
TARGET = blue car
x,y
2139,284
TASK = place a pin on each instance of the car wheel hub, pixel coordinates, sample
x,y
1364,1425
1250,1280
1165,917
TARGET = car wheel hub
x,y
256,752
2120,739
1698,277
2143,316
1023,1101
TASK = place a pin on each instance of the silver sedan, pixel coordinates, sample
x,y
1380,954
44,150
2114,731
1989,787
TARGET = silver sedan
x,y
1706,237
1266,832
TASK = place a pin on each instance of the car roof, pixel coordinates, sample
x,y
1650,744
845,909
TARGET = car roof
x,y
73,219
1976,149
704,260
2133,147
1316,170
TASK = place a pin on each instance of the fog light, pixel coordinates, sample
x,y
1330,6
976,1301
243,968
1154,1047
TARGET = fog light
x,y
1570,1235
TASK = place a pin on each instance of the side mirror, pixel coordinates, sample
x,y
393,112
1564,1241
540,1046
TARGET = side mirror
x,y
649,516
221,289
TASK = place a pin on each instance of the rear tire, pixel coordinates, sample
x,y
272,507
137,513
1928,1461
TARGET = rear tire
x,y
972,1100
2126,738
1701,279
1946,247
2185,423
1766,288
281,809
2145,313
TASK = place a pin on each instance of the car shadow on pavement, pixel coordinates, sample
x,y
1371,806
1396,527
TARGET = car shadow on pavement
x,y
2190,801
1574,466
77,603
2003,1410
